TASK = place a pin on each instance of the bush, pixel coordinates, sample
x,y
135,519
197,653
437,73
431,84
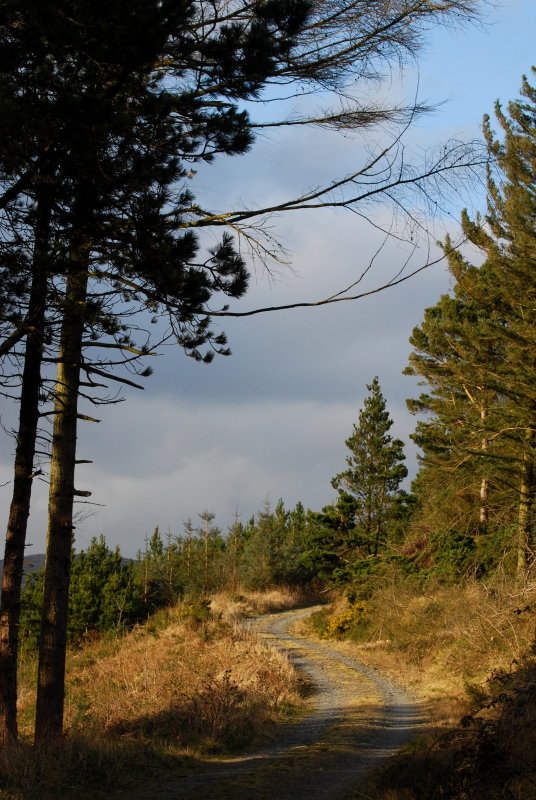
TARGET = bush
x,y
342,624
454,555
497,549
318,622
196,613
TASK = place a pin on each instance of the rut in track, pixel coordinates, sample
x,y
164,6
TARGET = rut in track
x,y
357,717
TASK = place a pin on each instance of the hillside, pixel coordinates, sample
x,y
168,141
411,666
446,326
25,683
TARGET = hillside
x,y
32,563
467,652
191,688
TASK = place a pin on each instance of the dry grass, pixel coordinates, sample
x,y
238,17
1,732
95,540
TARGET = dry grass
x,y
243,603
490,755
184,685
463,651
187,686
441,642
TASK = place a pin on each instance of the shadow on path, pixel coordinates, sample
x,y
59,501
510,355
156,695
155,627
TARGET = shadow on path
x,y
358,718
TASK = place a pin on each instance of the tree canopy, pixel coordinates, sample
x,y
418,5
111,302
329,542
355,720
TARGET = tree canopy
x,y
375,470
477,350
113,106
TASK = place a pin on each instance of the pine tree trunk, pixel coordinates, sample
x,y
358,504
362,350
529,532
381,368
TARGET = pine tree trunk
x,y
526,499
380,500
484,510
484,485
22,484
53,642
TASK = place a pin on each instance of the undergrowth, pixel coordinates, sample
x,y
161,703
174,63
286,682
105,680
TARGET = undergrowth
x,y
467,651
189,683
339,623
436,641
233,606
489,755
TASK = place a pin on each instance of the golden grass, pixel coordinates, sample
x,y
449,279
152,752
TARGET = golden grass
x,y
243,603
489,755
467,652
439,642
184,685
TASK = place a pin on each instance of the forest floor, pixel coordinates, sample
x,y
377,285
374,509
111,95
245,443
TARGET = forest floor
x,y
356,717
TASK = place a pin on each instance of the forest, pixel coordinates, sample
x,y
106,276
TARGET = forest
x,y
462,535
469,511
107,662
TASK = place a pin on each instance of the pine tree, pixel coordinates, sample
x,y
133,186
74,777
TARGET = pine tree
x,y
454,352
105,594
507,237
118,103
477,350
121,225
375,469
331,540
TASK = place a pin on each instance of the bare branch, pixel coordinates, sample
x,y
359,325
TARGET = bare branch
x,y
328,300
106,375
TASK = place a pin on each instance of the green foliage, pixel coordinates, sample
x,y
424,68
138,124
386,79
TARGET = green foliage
x,y
454,555
318,622
494,552
104,595
274,550
475,350
190,564
330,538
375,470
31,604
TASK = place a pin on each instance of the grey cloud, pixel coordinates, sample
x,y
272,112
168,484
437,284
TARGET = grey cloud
x,y
272,418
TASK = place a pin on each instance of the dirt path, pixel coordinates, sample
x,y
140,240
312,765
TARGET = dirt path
x,y
356,718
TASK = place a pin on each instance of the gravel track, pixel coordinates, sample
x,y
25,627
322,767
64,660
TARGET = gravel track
x,y
357,717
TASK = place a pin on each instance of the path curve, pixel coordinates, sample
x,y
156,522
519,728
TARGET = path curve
x,y
357,717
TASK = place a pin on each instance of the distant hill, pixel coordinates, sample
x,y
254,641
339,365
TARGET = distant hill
x,y
31,563
34,562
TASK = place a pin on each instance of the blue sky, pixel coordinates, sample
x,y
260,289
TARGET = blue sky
x,y
271,420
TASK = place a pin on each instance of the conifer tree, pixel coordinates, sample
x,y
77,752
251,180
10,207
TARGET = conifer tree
x,y
478,350
454,352
104,594
507,237
375,469
331,540
118,103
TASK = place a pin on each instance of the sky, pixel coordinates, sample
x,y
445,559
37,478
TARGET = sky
x,y
271,420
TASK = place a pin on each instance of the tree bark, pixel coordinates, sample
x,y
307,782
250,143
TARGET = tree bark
x,y
484,484
484,510
527,490
53,642
22,482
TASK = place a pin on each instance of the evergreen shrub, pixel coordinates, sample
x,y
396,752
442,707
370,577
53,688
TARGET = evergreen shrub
x,y
340,625
454,555
497,550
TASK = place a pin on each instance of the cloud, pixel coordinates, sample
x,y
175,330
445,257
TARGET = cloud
x,y
192,456
272,419
159,460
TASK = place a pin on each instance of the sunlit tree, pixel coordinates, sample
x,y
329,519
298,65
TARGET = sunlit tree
x,y
375,469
